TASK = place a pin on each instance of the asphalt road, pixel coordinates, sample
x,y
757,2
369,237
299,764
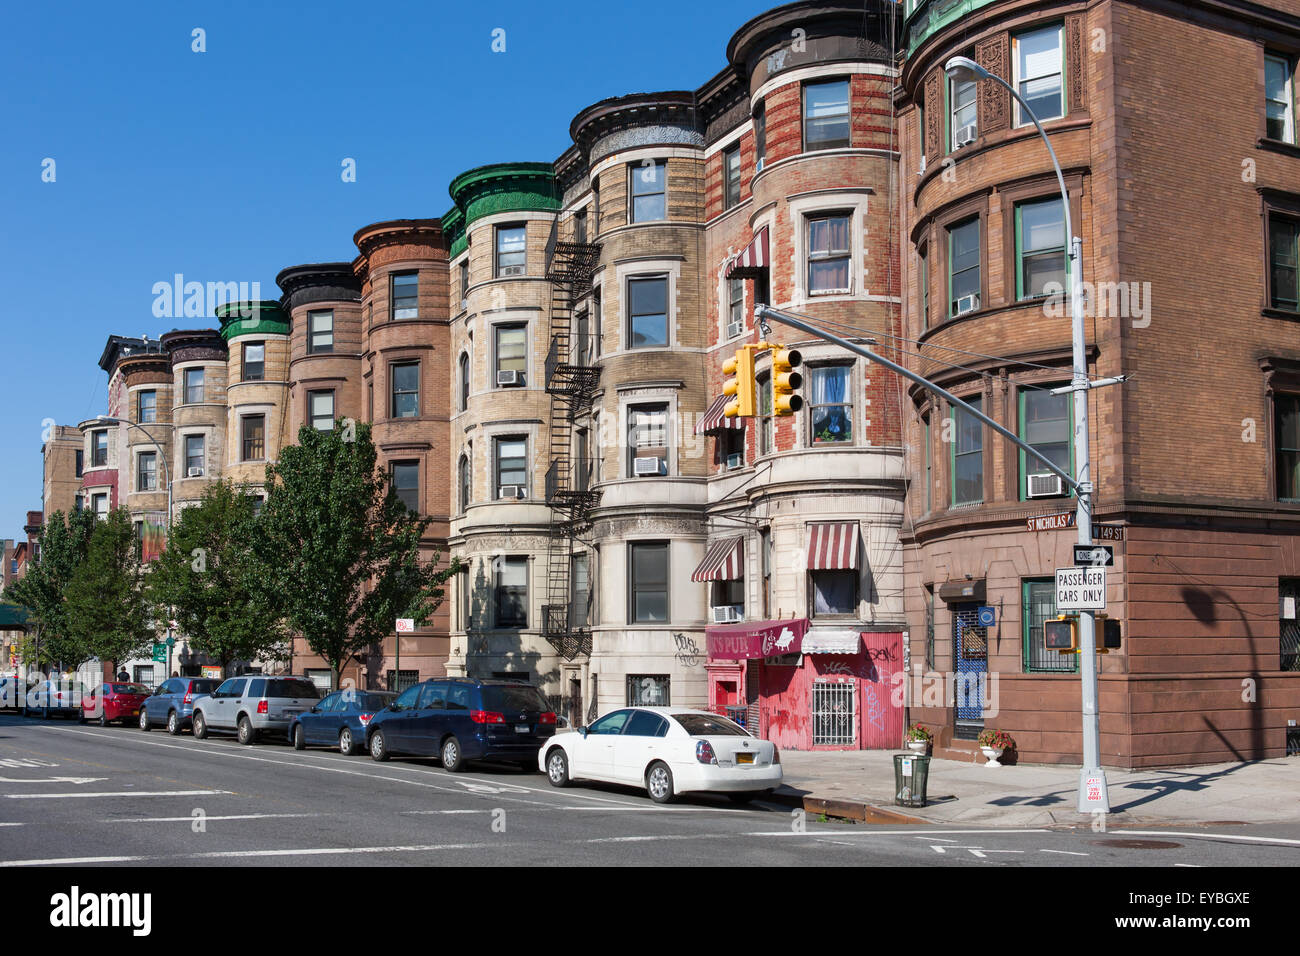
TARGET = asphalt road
x,y
75,794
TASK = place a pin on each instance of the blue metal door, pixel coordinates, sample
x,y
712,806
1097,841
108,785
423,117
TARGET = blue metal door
x,y
970,654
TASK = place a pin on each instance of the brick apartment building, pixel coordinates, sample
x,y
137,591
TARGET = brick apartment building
x,y
543,369
1193,457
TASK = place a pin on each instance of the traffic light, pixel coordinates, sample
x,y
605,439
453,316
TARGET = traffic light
x,y
1060,635
739,388
785,381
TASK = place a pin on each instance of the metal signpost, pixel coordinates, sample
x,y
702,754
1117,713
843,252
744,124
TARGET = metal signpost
x,y
405,625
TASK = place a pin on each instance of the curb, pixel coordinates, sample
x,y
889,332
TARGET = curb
x,y
856,810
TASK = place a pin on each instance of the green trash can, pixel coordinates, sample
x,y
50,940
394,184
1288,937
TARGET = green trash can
x,y
911,773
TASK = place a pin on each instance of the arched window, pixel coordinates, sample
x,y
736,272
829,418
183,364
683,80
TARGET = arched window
x,y
464,381
466,484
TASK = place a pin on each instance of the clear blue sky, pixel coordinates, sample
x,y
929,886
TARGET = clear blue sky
x,y
225,165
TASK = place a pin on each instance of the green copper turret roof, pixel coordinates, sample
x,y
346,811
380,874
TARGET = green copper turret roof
x,y
504,187
252,318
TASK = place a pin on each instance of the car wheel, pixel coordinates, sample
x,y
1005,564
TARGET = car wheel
x,y
557,768
452,760
659,781
247,734
347,743
103,720
173,723
144,719
200,725
378,746
299,738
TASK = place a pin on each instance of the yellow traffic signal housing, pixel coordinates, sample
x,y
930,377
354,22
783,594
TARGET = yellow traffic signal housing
x,y
739,388
1061,635
786,381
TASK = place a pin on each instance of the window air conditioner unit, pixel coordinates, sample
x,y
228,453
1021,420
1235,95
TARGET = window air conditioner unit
x,y
509,377
966,135
735,460
510,491
194,473
728,614
512,270
967,303
1045,485
644,465
735,328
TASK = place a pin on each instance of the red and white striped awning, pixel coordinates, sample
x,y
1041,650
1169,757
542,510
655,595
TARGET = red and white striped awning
x,y
833,547
713,420
723,561
751,263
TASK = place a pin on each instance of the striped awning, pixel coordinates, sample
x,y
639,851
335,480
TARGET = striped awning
x,y
751,263
713,419
722,562
833,547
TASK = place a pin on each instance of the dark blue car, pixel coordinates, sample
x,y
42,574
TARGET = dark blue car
x,y
172,705
459,719
340,719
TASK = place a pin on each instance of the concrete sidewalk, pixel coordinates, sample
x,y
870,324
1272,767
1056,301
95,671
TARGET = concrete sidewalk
x,y
859,784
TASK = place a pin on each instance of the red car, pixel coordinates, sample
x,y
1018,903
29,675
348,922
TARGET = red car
x,y
110,702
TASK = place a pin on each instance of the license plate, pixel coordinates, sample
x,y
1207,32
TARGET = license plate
x,y
521,728
744,758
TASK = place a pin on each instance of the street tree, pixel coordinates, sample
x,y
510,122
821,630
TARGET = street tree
x,y
108,612
346,553
209,581
43,590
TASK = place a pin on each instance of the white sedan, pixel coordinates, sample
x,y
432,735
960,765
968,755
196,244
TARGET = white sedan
x,y
667,750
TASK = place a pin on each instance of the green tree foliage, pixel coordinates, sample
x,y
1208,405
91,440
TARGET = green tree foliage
x,y
210,580
108,613
344,551
43,590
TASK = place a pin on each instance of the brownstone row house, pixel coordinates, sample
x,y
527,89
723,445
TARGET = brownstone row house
x,y
543,367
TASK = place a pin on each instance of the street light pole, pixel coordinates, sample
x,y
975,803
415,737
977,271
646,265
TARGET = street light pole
x,y
1092,779
167,476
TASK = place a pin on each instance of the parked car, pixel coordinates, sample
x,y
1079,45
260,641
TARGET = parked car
x,y
254,704
54,697
172,704
13,692
666,750
341,718
460,719
114,701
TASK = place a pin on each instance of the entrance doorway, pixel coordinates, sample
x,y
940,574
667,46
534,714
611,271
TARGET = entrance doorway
x,y
970,653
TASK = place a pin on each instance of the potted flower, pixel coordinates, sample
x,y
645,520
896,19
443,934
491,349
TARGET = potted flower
x,y
918,738
993,743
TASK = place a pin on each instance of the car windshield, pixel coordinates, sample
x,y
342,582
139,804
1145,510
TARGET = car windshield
x,y
518,697
203,686
709,725
291,688
129,689
367,703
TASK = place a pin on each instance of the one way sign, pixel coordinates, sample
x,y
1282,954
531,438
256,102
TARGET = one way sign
x,y
1094,556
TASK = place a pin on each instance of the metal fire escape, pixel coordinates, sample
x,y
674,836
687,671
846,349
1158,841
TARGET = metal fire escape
x,y
571,382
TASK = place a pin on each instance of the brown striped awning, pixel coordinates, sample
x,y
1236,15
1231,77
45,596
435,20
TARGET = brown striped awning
x,y
833,547
751,263
713,420
722,562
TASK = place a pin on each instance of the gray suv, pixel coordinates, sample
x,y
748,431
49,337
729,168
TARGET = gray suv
x,y
252,704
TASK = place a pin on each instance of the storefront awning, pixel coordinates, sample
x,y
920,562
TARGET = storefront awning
x,y
754,639
713,420
821,640
723,561
833,547
751,263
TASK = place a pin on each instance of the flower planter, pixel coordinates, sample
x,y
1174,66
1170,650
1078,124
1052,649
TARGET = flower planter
x,y
992,753
918,746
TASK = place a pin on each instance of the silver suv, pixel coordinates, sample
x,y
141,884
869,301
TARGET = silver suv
x,y
252,704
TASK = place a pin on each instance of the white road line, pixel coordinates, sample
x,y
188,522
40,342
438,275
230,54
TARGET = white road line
x,y
936,839
337,851
209,818
671,836
429,812
318,766
1214,836
1066,852
877,833
115,793
13,824
74,861
1196,866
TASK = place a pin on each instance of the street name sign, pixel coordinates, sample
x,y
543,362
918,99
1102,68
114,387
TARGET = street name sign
x,y
1065,519
1094,555
1080,589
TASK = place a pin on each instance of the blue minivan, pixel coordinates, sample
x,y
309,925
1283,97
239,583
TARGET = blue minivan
x,y
460,719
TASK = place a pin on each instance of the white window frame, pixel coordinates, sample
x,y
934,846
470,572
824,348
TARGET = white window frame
x,y
852,204
507,324
1289,64
1021,119
643,269
953,109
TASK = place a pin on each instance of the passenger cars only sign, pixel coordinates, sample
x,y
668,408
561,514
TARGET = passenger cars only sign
x,y
1080,589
